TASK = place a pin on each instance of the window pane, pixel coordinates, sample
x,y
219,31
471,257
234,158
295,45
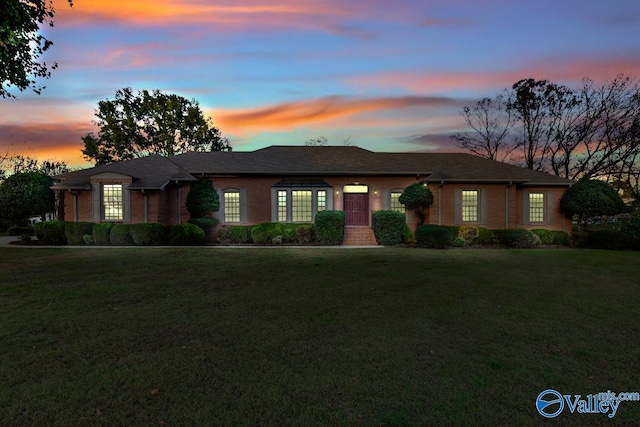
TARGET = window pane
x,y
282,206
232,206
301,206
470,206
112,201
395,202
322,200
536,207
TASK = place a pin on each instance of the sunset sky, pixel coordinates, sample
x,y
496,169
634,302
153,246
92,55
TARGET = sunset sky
x,y
389,75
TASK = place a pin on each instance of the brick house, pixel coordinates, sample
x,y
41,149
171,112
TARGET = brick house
x,y
293,183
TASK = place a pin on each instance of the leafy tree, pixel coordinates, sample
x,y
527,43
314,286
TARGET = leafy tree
x,y
417,196
21,44
18,163
202,199
26,194
589,198
137,125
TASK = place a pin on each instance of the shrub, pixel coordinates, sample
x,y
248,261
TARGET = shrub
x,y
207,224
53,232
202,199
388,227
578,239
38,230
408,237
546,236
459,242
521,238
276,240
235,234
265,232
485,237
330,227
560,238
591,197
185,234
147,234
433,236
19,231
469,233
74,231
631,226
609,239
88,239
101,233
499,236
120,235
305,234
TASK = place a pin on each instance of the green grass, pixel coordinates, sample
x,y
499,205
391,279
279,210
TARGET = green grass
x,y
313,336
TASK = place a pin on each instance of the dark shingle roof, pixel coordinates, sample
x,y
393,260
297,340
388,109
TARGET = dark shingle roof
x,y
155,172
148,173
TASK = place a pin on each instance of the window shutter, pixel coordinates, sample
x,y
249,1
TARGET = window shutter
x,y
550,208
96,199
126,204
484,201
243,206
386,200
458,205
525,208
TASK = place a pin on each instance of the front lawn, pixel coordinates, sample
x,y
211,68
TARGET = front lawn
x,y
257,336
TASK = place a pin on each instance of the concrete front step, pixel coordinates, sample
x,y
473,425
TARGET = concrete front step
x,y
359,236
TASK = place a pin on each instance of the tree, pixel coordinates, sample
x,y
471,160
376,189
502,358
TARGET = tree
x,y
491,123
202,199
16,163
322,141
26,194
21,44
417,196
590,198
137,125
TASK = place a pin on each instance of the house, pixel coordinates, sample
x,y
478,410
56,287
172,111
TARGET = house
x,y
293,183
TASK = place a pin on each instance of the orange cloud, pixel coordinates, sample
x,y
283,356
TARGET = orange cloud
x,y
286,116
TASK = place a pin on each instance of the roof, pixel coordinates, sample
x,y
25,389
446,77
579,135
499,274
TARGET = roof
x,y
154,172
147,173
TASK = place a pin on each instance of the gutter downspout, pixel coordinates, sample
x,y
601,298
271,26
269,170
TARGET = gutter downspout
x,y
506,205
179,203
440,202
146,206
75,206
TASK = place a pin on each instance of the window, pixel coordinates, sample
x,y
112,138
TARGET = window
x,y
322,200
395,202
112,202
295,204
469,206
536,207
232,206
301,206
282,206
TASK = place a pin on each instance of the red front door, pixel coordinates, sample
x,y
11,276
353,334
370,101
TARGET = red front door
x,y
356,208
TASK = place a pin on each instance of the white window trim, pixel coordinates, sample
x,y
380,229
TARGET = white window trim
x,y
314,202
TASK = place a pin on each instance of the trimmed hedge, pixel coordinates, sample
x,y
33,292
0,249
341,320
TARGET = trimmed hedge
x,y
51,232
150,234
235,234
560,238
330,227
546,236
266,232
120,235
101,233
469,233
74,232
185,234
408,237
485,237
520,238
389,227
305,234
207,224
433,236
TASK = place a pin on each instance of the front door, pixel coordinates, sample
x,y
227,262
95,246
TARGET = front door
x,y
356,208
